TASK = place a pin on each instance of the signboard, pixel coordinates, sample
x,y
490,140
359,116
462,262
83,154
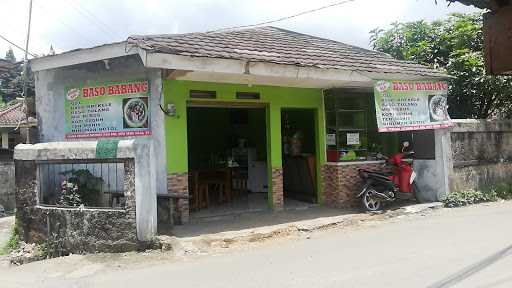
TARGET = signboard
x,y
353,139
411,105
114,109
331,139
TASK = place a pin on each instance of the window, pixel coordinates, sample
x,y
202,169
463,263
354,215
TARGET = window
x,y
351,127
247,95
200,94
93,185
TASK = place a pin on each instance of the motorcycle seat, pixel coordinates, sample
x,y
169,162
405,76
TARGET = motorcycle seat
x,y
376,174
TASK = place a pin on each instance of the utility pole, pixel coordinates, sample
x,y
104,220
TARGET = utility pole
x,y
25,72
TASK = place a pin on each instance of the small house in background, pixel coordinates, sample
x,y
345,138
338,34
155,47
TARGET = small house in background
x,y
13,130
5,65
14,126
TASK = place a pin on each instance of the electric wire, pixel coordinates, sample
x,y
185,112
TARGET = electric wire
x,y
17,46
69,27
94,19
283,18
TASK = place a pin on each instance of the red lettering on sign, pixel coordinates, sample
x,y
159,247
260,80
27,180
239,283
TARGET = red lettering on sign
x,y
138,87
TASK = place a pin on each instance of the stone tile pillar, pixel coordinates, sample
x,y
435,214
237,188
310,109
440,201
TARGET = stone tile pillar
x,y
26,197
277,189
178,183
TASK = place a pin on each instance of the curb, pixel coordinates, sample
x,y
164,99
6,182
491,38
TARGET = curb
x,y
203,244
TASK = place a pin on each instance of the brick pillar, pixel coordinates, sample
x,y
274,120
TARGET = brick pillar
x,y
178,183
277,189
329,184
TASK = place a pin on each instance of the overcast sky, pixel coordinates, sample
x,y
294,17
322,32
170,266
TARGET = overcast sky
x,y
70,24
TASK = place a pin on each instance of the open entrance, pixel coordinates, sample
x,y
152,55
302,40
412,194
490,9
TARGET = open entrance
x,y
299,155
227,160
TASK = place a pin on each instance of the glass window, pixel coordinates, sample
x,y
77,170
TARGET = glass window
x,y
352,127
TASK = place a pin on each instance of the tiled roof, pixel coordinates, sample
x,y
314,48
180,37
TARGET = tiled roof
x,y
5,65
280,46
12,115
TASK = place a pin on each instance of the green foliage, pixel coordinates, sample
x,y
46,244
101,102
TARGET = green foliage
x,y
503,191
454,44
13,242
9,55
11,82
69,195
468,197
81,187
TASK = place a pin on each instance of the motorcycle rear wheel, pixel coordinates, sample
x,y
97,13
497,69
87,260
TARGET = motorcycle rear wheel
x,y
369,202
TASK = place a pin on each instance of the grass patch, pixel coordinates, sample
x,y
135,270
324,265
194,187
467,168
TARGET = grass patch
x,y
12,244
468,197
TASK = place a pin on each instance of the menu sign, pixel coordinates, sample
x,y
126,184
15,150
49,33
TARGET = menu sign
x,y
331,139
114,109
353,139
411,105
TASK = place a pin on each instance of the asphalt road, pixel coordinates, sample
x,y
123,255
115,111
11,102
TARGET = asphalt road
x,y
465,247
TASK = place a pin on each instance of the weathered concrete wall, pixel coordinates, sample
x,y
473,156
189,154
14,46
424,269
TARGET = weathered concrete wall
x,y
482,153
74,230
50,87
79,229
7,186
433,175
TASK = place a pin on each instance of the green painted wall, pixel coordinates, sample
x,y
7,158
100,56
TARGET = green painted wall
x,y
276,98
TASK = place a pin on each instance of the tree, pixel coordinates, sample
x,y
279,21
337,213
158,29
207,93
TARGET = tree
x,y
454,44
11,82
9,55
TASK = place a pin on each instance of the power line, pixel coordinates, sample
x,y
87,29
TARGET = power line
x,y
69,27
93,19
285,18
17,46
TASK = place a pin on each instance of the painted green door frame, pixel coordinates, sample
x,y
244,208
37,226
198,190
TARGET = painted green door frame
x,y
275,98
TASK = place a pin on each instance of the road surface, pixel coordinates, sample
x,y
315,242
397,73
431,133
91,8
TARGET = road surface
x,y
465,247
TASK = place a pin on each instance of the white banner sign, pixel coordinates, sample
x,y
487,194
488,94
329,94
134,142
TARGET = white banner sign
x,y
411,105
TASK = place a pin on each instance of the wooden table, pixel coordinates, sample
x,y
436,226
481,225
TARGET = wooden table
x,y
205,180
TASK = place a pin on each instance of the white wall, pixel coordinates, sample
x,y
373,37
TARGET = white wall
x,y
50,90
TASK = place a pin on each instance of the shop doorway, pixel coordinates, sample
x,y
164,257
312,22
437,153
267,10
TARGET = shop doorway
x,y
227,160
299,155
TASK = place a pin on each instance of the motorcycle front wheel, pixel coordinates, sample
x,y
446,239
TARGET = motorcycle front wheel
x,y
371,203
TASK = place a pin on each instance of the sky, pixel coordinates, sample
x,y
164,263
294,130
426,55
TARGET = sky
x,y
71,24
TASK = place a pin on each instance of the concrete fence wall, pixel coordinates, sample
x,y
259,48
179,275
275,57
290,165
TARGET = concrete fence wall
x,y
7,187
482,153
85,229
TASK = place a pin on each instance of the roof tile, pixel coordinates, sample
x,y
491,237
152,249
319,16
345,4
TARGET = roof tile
x,y
280,46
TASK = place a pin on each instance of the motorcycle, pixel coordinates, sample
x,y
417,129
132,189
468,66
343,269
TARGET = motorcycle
x,y
382,187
